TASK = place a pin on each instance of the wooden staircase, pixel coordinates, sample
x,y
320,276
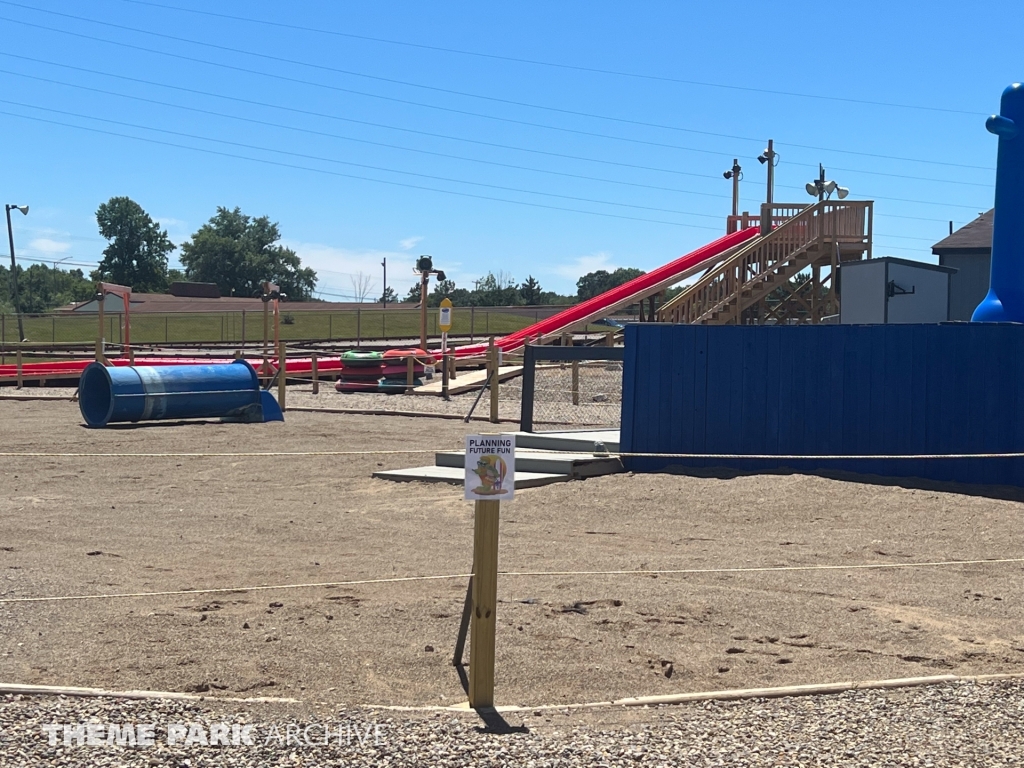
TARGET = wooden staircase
x,y
756,284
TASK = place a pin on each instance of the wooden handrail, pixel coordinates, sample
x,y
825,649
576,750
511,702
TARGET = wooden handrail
x,y
823,221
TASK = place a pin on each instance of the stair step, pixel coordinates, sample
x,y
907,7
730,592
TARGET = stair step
x,y
576,441
457,475
576,465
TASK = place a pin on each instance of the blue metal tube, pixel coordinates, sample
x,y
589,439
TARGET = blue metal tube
x,y
151,393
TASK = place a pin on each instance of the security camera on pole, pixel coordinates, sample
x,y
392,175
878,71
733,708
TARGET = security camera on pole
x,y
425,268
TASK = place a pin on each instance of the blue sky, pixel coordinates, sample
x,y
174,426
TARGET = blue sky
x,y
466,130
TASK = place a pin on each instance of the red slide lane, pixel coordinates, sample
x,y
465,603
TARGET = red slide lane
x,y
638,285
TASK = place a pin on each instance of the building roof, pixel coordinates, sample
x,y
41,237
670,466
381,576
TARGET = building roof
x,y
164,302
976,236
904,262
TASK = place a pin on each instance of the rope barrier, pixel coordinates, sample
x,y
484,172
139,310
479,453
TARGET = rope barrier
x,y
596,454
221,590
448,577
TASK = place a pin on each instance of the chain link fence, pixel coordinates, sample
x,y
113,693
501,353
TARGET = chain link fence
x,y
576,386
245,327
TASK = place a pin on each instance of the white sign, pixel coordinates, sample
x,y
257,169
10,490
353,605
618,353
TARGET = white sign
x,y
444,319
490,467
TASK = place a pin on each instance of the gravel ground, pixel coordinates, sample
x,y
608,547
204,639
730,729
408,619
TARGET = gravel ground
x,y
958,724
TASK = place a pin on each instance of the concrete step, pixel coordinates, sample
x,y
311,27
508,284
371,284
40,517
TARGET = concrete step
x,y
582,441
457,475
576,465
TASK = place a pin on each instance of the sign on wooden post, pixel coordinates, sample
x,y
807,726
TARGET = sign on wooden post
x,y
490,477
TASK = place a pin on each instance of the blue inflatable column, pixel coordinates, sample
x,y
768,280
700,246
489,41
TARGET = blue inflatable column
x,y
1005,299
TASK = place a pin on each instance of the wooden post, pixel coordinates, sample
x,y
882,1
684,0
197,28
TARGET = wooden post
x,y
18,364
316,375
131,356
282,376
410,373
452,367
99,351
492,374
575,382
238,354
609,339
485,604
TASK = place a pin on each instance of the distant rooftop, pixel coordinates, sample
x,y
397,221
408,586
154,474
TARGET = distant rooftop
x,y
976,236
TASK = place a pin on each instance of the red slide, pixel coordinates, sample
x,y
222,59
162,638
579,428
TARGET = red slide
x,y
620,296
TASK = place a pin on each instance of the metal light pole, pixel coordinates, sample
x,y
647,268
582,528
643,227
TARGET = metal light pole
x,y
425,268
60,261
768,157
14,268
734,174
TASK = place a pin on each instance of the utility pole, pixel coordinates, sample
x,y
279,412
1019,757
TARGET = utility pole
x,y
821,182
384,295
14,270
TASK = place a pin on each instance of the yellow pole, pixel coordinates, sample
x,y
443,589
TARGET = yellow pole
x,y
281,375
485,604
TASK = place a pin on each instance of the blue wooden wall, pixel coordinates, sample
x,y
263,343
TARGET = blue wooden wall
x,y
828,390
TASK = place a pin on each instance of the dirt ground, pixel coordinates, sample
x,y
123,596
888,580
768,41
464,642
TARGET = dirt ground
x,y
100,525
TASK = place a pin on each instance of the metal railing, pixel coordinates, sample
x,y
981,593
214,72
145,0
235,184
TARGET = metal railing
x,y
582,386
246,327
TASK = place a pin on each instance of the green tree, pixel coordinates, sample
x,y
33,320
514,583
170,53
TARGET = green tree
x,y
41,288
238,252
388,297
413,296
496,290
595,283
443,289
530,291
138,249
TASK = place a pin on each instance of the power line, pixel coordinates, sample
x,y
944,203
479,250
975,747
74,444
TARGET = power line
x,y
572,67
337,117
340,89
514,166
312,132
353,176
406,83
365,166
407,101
379,168
382,125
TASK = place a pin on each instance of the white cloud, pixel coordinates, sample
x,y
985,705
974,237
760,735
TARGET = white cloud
x,y
48,246
581,265
409,243
335,267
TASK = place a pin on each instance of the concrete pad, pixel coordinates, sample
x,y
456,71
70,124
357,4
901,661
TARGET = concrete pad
x,y
457,475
